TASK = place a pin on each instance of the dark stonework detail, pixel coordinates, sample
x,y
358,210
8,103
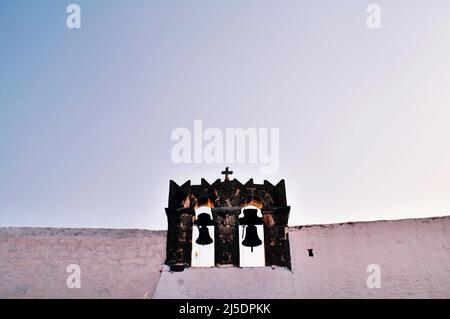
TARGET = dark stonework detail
x,y
226,235
227,194
276,234
179,238
226,199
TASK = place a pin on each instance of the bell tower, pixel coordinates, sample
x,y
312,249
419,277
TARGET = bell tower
x,y
227,223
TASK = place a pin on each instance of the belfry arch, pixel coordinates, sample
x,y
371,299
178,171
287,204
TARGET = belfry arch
x,y
226,199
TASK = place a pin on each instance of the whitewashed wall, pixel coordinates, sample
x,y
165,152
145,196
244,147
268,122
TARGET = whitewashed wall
x,y
114,263
414,256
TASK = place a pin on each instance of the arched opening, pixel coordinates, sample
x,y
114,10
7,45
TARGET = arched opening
x,y
252,201
204,201
251,236
203,245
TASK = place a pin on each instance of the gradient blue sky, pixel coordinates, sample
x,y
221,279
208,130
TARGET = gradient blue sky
x,y
86,115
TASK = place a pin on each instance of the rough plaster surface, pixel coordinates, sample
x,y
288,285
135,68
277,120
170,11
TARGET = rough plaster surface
x,y
224,283
414,256
114,263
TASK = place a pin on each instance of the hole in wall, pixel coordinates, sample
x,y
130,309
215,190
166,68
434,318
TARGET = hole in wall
x,y
310,252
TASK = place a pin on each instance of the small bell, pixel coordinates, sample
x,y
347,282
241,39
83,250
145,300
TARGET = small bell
x,y
203,236
202,222
251,237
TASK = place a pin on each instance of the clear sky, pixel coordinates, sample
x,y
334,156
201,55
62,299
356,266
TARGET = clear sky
x,y
86,115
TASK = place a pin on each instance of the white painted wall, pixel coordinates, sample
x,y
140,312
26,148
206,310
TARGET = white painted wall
x,y
114,263
226,283
414,256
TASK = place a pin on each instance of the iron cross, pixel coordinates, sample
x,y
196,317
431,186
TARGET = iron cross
x,y
226,172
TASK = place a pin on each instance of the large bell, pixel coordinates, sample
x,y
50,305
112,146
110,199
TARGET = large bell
x,y
202,222
251,237
249,221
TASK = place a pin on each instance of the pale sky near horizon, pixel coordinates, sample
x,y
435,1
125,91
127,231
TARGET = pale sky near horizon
x,y
86,115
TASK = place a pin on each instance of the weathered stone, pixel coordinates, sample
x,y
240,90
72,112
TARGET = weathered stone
x,y
226,199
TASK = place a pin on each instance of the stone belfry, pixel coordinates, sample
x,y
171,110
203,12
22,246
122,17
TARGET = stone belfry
x,y
231,221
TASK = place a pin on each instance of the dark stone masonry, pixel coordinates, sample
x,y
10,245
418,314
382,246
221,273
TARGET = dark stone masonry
x,y
226,200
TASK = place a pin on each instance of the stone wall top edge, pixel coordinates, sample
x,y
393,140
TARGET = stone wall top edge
x,y
78,232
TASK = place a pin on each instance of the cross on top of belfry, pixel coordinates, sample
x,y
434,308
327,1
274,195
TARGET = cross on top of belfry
x,y
226,172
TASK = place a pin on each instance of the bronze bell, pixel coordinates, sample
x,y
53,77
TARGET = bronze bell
x,y
202,222
249,221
